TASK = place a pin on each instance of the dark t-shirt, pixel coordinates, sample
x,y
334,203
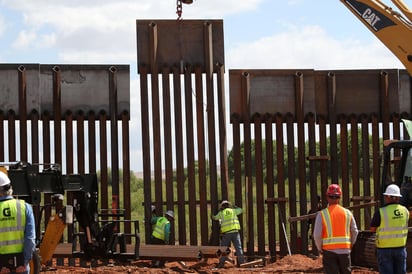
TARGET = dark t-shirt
x,y
376,219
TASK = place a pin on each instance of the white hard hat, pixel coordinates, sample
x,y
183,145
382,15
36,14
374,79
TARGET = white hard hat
x,y
170,214
224,202
4,179
393,190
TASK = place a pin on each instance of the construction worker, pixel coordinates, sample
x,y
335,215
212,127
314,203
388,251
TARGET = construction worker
x,y
229,230
390,223
335,233
161,232
17,230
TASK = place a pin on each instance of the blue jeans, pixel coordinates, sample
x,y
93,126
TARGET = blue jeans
x,y
392,260
233,237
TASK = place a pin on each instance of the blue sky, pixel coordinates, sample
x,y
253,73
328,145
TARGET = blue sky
x,y
267,34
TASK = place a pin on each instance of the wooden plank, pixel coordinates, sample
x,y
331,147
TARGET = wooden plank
x,y
313,215
167,252
253,263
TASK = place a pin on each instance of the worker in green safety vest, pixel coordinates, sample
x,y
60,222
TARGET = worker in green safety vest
x,y
390,223
229,230
17,230
161,233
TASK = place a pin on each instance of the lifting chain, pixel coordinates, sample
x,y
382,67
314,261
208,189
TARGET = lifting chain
x,y
179,9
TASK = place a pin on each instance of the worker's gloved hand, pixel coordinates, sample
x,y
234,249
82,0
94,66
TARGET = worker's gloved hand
x,y
4,270
21,269
153,208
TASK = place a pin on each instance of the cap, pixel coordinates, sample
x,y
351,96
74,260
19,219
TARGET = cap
x,y
392,190
334,190
170,214
4,179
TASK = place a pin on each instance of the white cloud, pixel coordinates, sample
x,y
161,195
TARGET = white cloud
x,y
310,48
47,40
24,40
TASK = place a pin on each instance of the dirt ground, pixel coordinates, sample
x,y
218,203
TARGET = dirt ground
x,y
289,264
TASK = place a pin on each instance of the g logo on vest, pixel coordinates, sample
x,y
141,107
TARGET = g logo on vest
x,y
7,212
397,213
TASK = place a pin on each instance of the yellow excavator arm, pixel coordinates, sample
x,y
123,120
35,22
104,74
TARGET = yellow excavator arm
x,y
393,28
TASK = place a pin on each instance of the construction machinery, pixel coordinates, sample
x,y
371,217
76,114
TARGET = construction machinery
x,y
96,233
393,28
396,169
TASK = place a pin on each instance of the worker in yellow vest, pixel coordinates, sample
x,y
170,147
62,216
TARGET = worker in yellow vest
x,y
335,233
161,232
17,230
390,223
229,230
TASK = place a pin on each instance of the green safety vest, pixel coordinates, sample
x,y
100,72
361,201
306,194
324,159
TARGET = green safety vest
x,y
159,229
12,224
393,230
229,220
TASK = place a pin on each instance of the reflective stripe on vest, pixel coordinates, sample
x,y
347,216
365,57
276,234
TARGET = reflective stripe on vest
x,y
12,225
393,230
229,220
336,227
159,229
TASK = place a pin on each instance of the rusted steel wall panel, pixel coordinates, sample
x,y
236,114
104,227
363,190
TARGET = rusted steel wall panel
x,y
270,181
365,175
179,42
201,151
354,162
104,184
12,135
23,113
197,146
291,178
313,173
125,118
273,90
239,190
282,201
84,87
178,124
57,98
190,156
344,130
259,184
69,152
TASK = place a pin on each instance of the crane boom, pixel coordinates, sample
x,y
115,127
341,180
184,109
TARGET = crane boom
x,y
393,28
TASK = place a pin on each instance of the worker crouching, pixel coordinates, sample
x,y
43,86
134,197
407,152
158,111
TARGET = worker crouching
x,y
229,230
161,233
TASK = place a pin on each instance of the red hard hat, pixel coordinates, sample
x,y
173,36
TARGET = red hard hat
x,y
334,190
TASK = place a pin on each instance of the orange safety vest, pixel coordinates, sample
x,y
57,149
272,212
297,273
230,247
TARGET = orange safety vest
x,y
336,227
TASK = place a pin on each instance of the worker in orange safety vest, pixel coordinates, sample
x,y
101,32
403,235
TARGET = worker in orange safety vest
x,y
335,233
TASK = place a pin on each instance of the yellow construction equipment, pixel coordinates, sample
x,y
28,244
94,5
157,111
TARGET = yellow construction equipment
x,y
392,27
